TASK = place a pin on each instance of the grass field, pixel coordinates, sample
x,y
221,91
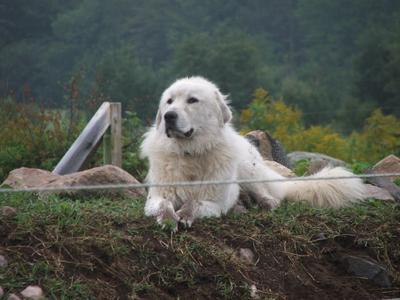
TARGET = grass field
x,y
103,248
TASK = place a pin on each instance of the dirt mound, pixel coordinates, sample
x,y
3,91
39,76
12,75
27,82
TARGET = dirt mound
x,y
101,249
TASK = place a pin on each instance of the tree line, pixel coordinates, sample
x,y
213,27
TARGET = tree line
x,y
334,60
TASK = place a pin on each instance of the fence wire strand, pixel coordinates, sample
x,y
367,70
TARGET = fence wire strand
x,y
187,183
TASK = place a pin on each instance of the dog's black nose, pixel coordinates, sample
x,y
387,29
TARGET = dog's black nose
x,y
170,117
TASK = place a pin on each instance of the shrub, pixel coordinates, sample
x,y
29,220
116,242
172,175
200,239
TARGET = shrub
x,y
379,137
133,130
32,136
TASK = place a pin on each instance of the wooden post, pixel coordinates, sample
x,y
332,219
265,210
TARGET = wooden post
x,y
116,133
107,147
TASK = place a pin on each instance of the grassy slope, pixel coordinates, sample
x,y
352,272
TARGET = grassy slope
x,y
103,248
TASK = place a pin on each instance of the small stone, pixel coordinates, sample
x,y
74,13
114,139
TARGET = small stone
x,y
13,297
3,262
1,292
319,237
33,292
8,211
253,292
246,255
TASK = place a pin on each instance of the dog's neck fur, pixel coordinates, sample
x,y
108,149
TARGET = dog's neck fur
x,y
196,147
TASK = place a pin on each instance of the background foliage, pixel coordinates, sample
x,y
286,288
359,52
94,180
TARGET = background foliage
x,y
331,69
334,60
379,136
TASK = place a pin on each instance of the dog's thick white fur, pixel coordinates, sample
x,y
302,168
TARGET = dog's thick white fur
x,y
192,140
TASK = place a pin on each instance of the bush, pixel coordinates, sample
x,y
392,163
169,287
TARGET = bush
x,y
133,130
32,136
38,138
379,137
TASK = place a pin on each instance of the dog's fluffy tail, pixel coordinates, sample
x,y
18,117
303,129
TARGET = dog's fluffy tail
x,y
327,193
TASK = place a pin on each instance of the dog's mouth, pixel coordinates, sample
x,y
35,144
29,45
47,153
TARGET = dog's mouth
x,y
174,133
189,133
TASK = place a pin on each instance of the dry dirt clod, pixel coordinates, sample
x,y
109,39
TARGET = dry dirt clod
x,y
33,292
246,255
3,262
8,211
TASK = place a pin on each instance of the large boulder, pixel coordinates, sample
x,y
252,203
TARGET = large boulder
x,y
269,148
29,178
390,164
295,156
104,175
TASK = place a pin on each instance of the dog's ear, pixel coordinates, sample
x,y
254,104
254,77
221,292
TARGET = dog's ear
x,y
158,118
225,110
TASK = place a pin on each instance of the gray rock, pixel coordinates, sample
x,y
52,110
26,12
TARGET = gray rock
x,y
1,292
314,156
365,268
33,292
3,262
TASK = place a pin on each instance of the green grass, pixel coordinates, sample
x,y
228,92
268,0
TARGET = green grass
x,y
104,248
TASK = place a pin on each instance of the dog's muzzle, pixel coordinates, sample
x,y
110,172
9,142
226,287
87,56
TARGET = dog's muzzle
x,y
171,128
170,122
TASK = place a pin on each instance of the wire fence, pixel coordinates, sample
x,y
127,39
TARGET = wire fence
x,y
189,183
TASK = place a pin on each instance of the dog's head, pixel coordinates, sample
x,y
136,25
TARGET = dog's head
x,y
192,107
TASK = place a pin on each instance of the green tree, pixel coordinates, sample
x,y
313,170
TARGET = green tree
x,y
378,68
230,59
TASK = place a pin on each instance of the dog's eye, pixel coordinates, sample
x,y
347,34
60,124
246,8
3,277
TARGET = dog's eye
x,y
169,101
192,100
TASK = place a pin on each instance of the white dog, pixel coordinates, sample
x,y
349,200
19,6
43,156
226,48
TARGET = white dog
x,y
192,140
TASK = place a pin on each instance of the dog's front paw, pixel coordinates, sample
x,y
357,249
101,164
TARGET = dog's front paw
x,y
268,203
186,215
168,219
